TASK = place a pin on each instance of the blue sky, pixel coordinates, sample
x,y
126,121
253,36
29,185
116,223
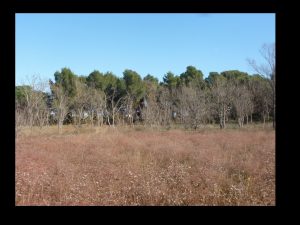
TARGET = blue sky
x,y
147,43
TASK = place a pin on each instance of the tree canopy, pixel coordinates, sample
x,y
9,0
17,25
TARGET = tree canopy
x,y
230,94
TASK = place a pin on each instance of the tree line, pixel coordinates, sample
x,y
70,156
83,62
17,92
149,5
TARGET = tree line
x,y
187,99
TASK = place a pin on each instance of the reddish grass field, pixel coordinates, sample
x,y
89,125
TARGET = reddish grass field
x,y
143,167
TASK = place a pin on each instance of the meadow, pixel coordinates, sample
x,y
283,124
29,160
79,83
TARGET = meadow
x,y
139,166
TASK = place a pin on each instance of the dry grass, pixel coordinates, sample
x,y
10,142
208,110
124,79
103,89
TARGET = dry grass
x,y
142,167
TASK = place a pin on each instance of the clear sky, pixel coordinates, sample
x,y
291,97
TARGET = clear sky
x,y
147,43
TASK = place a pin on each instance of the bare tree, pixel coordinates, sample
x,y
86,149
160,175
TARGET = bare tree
x,y
267,70
192,105
35,110
91,104
95,105
261,97
151,113
60,104
165,107
221,91
241,100
80,102
249,106
102,109
115,106
20,118
128,108
265,100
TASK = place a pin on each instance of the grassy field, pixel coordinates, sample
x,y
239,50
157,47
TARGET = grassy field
x,y
138,166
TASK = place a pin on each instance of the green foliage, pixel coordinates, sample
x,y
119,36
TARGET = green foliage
x,y
216,79
236,76
256,77
110,82
20,91
134,84
151,84
82,79
67,80
121,88
206,98
211,78
192,77
96,80
20,94
152,79
170,80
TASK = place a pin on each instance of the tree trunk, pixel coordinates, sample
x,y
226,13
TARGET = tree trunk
x,y
221,122
274,102
274,121
251,118
240,121
60,126
92,119
113,118
274,116
224,116
98,120
108,121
